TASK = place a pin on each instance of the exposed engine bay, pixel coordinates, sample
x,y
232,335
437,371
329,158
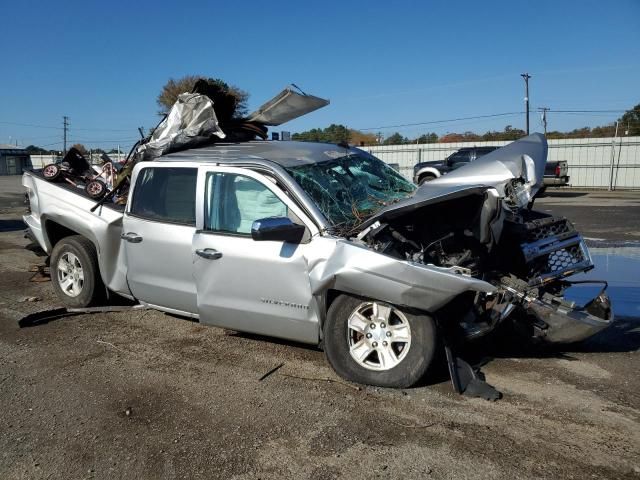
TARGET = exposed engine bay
x,y
492,233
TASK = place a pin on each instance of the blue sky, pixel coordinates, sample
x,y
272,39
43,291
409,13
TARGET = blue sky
x,y
380,63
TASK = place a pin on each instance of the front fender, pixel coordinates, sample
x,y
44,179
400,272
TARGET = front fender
x,y
361,271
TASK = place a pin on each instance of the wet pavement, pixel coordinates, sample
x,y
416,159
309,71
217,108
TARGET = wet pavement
x,y
619,266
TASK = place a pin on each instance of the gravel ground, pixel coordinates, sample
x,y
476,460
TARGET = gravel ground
x,y
147,395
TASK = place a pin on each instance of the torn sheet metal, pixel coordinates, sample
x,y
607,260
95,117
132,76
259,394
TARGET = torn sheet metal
x,y
190,118
358,270
286,106
422,198
525,158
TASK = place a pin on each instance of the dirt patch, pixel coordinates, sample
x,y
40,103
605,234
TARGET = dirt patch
x,y
197,409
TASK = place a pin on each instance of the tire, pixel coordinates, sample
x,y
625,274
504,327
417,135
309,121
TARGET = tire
x,y
51,172
405,365
426,178
75,273
96,189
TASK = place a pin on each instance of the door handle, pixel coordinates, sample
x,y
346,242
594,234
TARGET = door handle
x,y
209,253
131,237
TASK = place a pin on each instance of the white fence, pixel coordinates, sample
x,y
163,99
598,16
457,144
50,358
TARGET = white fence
x,y
593,162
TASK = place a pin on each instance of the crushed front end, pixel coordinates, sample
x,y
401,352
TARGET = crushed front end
x,y
540,252
528,255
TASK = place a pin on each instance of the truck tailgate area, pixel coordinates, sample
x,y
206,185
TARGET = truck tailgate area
x,y
56,207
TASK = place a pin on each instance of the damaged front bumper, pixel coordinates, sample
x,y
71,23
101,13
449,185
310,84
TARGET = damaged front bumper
x,y
560,321
549,250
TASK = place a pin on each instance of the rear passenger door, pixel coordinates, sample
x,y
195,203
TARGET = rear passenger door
x,y
158,229
253,286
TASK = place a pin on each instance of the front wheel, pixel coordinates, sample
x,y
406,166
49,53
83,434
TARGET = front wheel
x,y
376,343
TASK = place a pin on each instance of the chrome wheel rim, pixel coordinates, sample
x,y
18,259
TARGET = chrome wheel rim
x,y
378,335
70,274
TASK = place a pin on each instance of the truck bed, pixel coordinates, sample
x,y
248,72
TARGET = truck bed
x,y
62,209
76,190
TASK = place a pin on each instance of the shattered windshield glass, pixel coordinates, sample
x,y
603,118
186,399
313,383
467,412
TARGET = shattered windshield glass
x,y
349,189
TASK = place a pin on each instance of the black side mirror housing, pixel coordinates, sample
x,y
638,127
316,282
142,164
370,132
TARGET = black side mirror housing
x,y
277,229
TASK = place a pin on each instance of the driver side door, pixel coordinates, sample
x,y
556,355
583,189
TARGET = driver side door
x,y
253,286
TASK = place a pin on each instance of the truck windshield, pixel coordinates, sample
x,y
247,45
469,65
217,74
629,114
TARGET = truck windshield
x,y
349,189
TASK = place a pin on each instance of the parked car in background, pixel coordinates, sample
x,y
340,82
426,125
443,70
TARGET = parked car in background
x,y
426,171
555,173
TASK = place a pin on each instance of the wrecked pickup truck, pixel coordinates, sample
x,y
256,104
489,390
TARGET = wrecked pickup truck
x,y
327,245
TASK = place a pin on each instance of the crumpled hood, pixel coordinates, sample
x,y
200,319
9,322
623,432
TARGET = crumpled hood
x,y
423,197
524,158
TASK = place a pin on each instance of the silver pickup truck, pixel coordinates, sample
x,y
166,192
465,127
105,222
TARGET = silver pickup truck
x,y
327,245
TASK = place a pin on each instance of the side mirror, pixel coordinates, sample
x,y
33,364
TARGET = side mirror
x,y
277,229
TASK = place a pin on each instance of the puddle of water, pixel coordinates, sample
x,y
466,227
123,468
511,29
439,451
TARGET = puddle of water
x,y
620,266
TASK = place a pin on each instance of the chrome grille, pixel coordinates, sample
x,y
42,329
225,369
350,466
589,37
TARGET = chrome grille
x,y
555,250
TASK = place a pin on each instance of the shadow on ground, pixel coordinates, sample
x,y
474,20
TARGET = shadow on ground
x,y
562,194
622,336
11,225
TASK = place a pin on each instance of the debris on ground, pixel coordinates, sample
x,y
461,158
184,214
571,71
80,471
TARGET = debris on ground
x,y
42,273
30,299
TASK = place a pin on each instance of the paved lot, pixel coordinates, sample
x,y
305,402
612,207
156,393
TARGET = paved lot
x,y
599,215
147,395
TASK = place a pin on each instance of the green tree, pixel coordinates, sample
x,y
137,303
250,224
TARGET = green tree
x,y
631,121
334,133
427,138
395,139
81,148
170,91
36,150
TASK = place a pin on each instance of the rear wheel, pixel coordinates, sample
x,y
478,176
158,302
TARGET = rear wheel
x,y
74,272
51,172
376,343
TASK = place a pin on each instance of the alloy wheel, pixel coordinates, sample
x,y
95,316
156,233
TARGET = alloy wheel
x,y
70,274
378,335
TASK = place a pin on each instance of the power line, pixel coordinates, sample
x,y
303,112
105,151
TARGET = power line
x,y
61,128
30,125
126,140
106,129
39,138
586,111
432,122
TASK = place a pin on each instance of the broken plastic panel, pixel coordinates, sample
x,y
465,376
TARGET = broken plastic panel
x,y
286,106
